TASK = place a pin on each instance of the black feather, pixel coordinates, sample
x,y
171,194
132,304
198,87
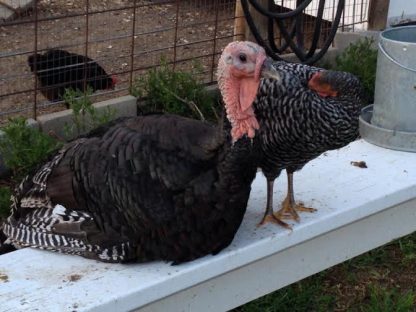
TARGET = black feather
x,y
303,124
57,70
145,188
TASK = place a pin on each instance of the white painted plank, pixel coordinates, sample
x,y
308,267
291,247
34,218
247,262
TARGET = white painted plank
x,y
344,194
293,264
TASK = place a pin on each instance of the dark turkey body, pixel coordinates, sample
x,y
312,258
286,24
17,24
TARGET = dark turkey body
x,y
303,124
151,187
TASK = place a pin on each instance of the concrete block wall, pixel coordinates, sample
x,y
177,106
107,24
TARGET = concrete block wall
x,y
54,123
343,39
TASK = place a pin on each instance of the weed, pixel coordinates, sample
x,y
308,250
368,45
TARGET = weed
x,y
383,300
23,147
175,92
372,258
306,295
85,115
4,201
407,246
360,59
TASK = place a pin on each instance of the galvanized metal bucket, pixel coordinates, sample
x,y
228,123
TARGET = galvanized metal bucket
x,y
391,121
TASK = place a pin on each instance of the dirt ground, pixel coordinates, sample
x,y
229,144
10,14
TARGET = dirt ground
x,y
109,42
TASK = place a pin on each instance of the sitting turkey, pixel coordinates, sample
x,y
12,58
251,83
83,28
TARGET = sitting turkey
x,y
314,110
150,187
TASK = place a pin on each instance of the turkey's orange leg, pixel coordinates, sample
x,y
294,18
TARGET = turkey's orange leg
x,y
289,207
269,216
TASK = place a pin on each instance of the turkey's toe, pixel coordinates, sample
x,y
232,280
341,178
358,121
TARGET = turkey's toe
x,y
287,211
301,207
271,218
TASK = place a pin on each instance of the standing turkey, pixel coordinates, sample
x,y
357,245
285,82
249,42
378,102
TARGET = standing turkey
x,y
313,110
150,187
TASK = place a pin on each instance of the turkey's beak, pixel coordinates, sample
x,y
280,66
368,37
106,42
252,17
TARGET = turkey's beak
x,y
268,71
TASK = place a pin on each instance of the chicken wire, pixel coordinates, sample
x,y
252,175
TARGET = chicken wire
x,y
125,37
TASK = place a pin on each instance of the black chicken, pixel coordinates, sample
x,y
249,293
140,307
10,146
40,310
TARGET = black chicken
x,y
150,187
314,111
57,70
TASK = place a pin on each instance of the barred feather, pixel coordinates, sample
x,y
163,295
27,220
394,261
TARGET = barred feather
x,y
301,124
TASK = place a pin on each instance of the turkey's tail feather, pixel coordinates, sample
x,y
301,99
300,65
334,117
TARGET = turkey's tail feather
x,y
60,230
36,222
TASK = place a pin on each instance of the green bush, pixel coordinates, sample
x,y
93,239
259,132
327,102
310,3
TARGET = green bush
x,y
360,59
23,147
4,201
175,92
85,115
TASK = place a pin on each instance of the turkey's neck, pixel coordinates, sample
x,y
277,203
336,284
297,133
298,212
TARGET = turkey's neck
x,y
239,162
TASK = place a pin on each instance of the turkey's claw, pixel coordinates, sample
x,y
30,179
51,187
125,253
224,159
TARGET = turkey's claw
x,y
271,218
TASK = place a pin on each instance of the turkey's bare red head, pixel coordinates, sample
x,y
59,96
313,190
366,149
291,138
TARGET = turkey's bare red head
x,y
241,66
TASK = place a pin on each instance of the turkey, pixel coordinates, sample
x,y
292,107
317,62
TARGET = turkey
x,y
313,110
151,187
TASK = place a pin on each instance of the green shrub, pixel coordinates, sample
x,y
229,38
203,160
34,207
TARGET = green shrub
x,y
175,92
4,201
85,115
23,147
360,59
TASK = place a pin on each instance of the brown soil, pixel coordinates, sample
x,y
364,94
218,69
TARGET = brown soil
x,y
110,42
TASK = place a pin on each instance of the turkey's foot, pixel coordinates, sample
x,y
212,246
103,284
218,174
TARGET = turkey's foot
x,y
271,218
289,210
301,207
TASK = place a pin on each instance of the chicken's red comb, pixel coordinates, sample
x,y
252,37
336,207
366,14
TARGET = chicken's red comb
x,y
114,80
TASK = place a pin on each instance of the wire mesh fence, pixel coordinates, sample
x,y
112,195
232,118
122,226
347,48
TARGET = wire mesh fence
x,y
49,45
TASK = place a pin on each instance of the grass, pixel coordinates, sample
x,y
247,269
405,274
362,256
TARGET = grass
x,y
381,280
305,295
384,300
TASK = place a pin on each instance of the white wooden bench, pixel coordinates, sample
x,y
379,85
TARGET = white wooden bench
x,y
359,209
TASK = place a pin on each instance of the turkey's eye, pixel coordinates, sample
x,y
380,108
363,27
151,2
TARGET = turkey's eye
x,y
243,58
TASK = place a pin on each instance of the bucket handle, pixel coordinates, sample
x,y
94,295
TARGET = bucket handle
x,y
380,46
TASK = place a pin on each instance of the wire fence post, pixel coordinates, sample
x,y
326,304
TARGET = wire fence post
x,y
239,22
87,14
133,35
377,14
214,47
35,49
175,39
